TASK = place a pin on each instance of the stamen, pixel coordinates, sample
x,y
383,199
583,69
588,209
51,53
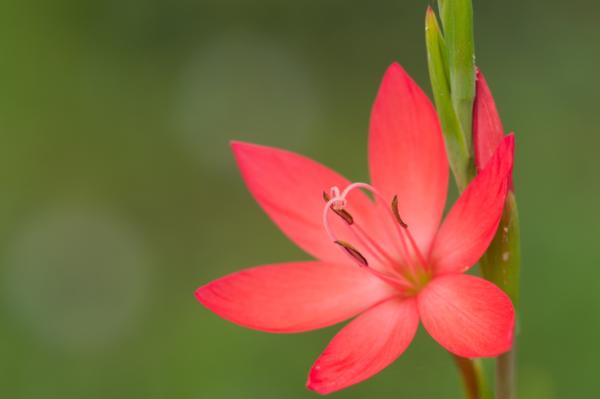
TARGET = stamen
x,y
353,252
397,213
416,249
401,227
367,241
362,262
407,232
339,210
359,234
336,202
403,249
354,228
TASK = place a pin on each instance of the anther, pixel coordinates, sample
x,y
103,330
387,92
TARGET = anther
x,y
353,252
397,213
341,212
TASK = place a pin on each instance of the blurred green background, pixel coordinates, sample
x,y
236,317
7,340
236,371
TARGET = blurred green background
x,y
119,195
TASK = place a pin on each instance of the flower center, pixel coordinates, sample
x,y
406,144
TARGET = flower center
x,y
405,267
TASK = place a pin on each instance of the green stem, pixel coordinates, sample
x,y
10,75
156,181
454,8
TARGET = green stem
x,y
469,376
505,375
472,377
501,264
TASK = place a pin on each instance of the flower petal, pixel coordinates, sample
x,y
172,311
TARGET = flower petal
x,y
471,224
407,156
289,187
293,297
487,126
467,315
365,346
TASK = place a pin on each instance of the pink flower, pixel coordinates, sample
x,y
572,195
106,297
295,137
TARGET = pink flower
x,y
389,261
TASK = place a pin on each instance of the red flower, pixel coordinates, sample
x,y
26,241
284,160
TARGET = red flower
x,y
388,261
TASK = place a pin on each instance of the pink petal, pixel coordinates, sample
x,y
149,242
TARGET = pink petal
x,y
487,126
293,297
467,315
365,346
472,222
289,187
407,156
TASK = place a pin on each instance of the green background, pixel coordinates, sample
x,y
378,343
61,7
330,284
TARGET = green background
x,y
119,195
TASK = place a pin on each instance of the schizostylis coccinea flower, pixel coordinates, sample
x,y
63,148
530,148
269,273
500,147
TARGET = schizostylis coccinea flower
x,y
388,260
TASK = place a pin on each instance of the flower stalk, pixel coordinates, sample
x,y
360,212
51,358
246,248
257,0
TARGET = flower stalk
x,y
450,51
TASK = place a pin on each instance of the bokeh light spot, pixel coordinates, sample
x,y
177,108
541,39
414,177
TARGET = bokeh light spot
x,y
77,278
